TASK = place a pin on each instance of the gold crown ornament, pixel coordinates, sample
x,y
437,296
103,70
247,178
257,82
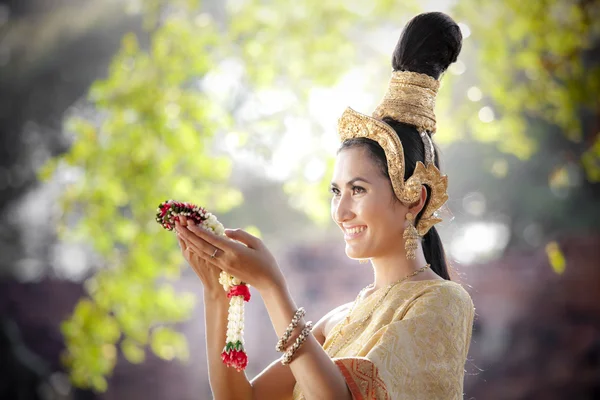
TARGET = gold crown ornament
x,y
410,99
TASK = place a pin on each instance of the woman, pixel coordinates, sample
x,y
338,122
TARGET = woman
x,y
406,335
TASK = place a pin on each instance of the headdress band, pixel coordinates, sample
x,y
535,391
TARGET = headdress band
x,y
410,98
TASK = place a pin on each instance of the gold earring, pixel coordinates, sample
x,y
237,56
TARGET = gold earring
x,y
363,261
411,237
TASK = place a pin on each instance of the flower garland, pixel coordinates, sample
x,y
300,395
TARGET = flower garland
x,y
234,354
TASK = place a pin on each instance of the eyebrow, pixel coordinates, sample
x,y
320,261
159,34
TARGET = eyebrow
x,y
352,181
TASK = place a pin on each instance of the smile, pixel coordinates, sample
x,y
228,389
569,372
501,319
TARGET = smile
x,y
353,233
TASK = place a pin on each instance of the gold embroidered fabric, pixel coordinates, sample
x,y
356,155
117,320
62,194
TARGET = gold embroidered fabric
x,y
410,98
413,347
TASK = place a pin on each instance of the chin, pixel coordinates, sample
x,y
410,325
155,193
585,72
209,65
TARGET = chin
x,y
356,255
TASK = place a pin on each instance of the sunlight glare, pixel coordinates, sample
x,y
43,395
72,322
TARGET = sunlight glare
x,y
479,241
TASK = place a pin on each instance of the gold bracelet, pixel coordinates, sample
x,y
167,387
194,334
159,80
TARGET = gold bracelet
x,y
287,357
288,332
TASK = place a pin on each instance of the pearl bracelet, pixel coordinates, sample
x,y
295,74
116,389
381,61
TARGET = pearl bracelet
x,y
287,358
288,332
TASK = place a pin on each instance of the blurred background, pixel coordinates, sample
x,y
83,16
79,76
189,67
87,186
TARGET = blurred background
x,y
108,108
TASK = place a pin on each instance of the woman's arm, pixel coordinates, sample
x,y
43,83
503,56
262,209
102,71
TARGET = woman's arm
x,y
313,369
226,383
248,259
276,382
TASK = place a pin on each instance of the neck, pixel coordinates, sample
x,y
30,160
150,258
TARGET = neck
x,y
391,268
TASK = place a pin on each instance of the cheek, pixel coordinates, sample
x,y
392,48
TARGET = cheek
x,y
372,211
384,218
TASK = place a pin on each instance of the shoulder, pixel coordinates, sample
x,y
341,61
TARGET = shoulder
x,y
448,297
443,291
452,290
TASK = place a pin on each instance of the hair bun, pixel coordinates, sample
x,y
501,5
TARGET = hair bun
x,y
429,43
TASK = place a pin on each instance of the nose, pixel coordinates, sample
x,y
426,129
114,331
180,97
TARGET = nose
x,y
341,209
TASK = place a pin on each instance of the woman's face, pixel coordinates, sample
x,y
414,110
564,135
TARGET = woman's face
x,y
364,206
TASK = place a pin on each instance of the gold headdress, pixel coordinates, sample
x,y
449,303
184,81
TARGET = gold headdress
x,y
410,99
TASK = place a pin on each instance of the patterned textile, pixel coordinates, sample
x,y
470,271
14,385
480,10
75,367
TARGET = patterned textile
x,y
413,347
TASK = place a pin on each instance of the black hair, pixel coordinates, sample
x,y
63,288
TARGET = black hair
x,y
429,43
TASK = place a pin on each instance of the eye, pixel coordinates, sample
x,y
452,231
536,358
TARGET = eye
x,y
334,190
358,189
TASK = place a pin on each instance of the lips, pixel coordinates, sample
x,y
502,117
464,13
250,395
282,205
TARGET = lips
x,y
354,232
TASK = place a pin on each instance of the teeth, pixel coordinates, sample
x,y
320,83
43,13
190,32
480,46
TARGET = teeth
x,y
355,230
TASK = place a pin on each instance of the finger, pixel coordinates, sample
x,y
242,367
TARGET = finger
x,y
199,248
205,257
216,241
189,252
178,232
183,220
180,228
244,237
189,246
202,246
181,242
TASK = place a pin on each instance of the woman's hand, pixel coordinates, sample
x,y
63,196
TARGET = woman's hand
x,y
207,272
245,257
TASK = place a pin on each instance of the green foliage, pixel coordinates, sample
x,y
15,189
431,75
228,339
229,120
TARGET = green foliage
x,y
91,335
168,344
591,160
147,144
133,351
531,66
297,57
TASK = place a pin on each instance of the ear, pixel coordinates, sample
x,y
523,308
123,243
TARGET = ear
x,y
417,207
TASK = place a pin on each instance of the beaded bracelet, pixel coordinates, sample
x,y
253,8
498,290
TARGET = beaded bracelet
x,y
287,358
288,332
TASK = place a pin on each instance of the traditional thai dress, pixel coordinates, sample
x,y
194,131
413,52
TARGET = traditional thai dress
x,y
414,346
